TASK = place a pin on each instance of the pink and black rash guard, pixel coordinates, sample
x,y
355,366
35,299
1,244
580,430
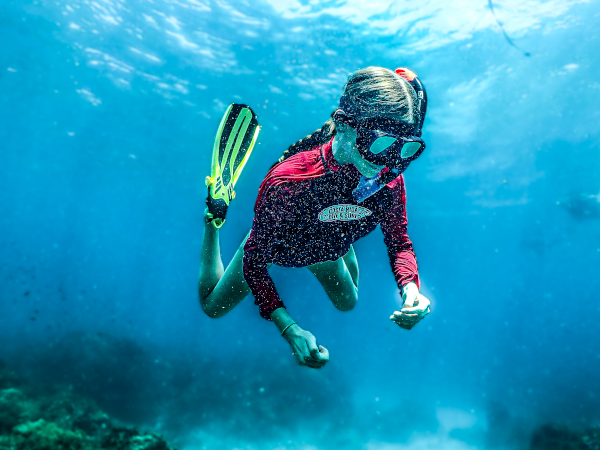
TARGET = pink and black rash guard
x,y
305,214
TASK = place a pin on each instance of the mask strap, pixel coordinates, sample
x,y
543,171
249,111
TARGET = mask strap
x,y
414,81
341,115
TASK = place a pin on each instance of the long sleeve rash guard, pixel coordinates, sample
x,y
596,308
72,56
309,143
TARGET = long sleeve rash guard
x,y
305,214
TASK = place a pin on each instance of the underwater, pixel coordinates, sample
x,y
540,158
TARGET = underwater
x,y
110,109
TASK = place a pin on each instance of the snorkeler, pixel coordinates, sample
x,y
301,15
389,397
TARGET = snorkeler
x,y
328,190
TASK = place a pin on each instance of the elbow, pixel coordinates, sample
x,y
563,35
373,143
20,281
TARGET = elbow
x,y
347,302
211,313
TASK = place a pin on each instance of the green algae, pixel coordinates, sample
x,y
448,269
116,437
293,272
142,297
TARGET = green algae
x,y
15,408
42,435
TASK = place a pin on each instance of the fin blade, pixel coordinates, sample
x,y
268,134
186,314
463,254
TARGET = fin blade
x,y
246,156
215,169
233,145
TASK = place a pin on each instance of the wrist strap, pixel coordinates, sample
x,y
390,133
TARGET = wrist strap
x,y
285,329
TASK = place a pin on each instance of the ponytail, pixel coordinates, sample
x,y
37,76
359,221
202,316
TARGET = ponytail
x,y
319,137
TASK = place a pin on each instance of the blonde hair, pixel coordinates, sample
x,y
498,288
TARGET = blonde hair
x,y
369,92
376,91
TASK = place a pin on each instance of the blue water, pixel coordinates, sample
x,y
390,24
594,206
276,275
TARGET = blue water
x,y
108,113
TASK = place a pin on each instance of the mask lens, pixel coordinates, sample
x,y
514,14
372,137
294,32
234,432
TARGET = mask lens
x,y
409,149
381,144
389,147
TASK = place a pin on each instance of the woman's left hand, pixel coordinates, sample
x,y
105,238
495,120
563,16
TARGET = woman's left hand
x,y
416,307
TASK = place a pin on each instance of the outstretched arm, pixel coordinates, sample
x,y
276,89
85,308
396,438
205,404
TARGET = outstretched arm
x,y
395,235
257,251
403,260
303,343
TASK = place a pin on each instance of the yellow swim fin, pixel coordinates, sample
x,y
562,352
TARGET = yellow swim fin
x,y
235,139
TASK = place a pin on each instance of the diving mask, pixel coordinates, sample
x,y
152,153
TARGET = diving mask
x,y
388,142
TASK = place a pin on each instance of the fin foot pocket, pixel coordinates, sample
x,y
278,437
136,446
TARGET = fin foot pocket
x,y
217,209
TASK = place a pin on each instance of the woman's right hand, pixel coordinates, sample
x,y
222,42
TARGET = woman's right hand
x,y
305,348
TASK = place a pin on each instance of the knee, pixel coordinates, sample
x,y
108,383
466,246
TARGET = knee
x,y
212,314
209,309
347,302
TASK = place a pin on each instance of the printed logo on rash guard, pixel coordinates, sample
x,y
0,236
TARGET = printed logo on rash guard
x,y
343,213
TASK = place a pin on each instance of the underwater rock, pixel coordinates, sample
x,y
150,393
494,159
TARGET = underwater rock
x,y
15,408
592,438
42,435
130,439
36,418
73,411
558,437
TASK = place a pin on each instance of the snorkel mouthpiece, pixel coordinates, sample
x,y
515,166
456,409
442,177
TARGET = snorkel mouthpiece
x,y
396,156
369,186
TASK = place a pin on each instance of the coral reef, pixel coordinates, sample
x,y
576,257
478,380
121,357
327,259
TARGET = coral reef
x,y
558,437
592,438
175,392
42,435
58,419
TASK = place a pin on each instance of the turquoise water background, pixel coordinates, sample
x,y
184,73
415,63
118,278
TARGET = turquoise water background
x,y
108,114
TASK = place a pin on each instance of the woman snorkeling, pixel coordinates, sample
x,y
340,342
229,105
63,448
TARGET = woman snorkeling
x,y
328,190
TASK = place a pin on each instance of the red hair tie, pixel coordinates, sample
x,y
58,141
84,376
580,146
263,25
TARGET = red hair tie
x,y
407,74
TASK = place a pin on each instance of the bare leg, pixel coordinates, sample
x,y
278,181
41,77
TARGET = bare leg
x,y
220,290
339,278
211,266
